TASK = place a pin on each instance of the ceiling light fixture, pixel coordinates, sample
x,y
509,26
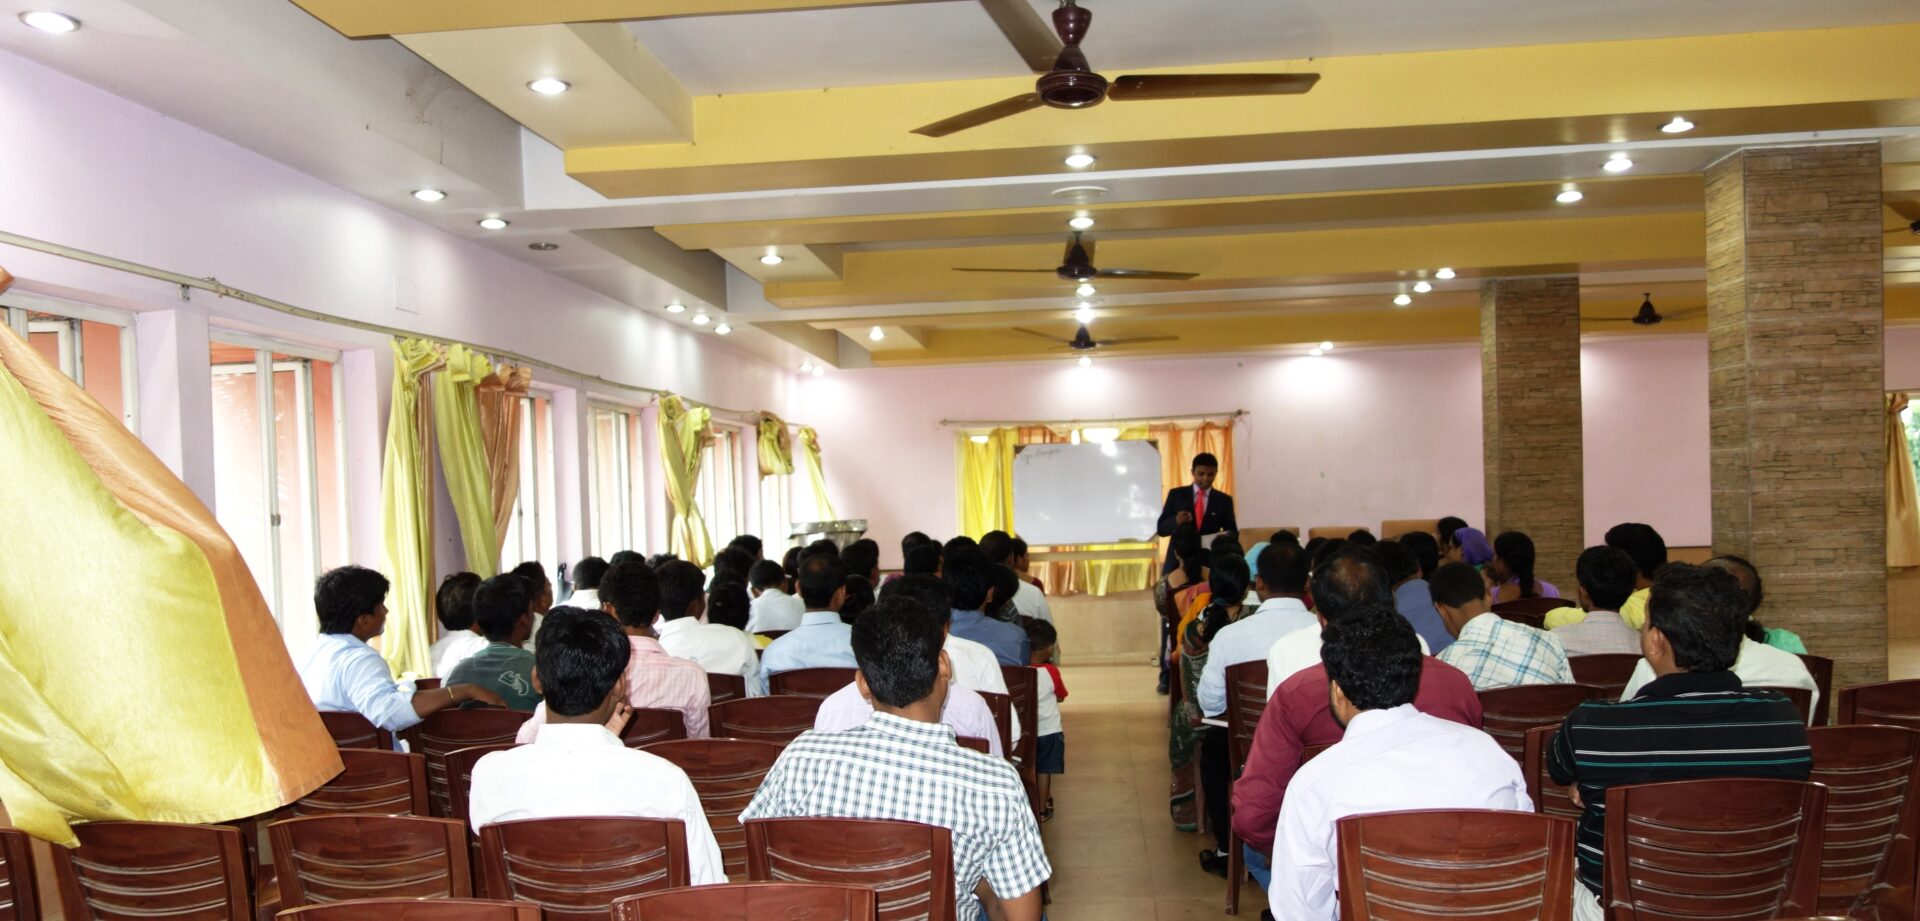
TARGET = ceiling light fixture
x,y
1079,160
1315,352
1326,346
543,247
1422,287
1679,125
1084,315
676,307
1443,273
1569,196
1086,361
1081,223
701,319
1618,163
771,259
819,370
50,22
494,223
876,334
429,195
1085,290
722,329
806,367
1402,300
549,86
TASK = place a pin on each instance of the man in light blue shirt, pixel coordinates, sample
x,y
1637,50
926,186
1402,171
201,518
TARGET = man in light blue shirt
x,y
971,575
1412,597
822,640
1282,581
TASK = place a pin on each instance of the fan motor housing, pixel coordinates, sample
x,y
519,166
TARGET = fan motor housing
x,y
1070,89
1077,272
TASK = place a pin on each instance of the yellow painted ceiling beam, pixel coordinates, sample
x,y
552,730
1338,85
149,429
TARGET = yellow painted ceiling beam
x,y
1597,92
373,18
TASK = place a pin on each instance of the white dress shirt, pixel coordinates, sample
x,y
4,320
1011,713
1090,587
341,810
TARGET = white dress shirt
x,y
576,770
774,610
965,711
587,598
1030,601
1758,666
343,673
1388,760
1047,714
976,668
720,649
1298,651
453,649
1249,639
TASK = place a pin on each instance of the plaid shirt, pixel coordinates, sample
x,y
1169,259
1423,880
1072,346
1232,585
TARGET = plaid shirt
x,y
896,768
1498,653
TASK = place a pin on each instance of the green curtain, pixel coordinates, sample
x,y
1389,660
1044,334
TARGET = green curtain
x,y
775,446
463,455
810,459
683,431
406,497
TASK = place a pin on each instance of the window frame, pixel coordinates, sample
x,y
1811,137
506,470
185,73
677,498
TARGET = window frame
x,y
629,450
537,477
16,308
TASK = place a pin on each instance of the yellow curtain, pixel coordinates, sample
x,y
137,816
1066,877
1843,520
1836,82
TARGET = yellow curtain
x,y
775,446
986,485
463,455
406,500
1903,507
810,459
500,394
172,702
683,431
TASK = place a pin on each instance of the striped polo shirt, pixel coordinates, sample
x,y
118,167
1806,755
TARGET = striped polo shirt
x,y
1685,726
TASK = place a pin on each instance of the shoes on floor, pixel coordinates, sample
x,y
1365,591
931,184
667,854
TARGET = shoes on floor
x,y
1162,687
1214,862
1265,915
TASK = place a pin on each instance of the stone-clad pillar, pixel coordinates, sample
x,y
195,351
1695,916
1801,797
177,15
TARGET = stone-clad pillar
x,y
1795,322
1530,390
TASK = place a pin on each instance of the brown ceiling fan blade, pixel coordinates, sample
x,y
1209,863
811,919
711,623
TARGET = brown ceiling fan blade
x,y
1148,274
1193,86
1037,334
1606,319
1683,314
1026,31
1138,340
1048,271
1013,105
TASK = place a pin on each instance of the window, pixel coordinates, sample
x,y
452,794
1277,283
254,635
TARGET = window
x,y
776,507
91,345
532,532
717,492
616,481
1912,421
279,488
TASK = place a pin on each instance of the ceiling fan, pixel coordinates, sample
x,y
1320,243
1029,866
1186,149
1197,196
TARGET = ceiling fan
x,y
1083,341
1913,228
1077,265
1648,316
1067,82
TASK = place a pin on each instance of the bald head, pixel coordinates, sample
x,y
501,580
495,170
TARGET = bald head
x,y
1348,580
1748,576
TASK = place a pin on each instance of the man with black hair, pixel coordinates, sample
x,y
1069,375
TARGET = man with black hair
x,y
1412,596
1392,757
504,613
922,560
974,666
1443,531
1003,549
1280,578
1209,510
1606,576
1649,552
772,608
453,605
751,544
729,605
1346,579
586,583
821,546
1757,665
1362,538
344,674
577,766
822,640
731,561
862,558
1426,551
716,649
1495,652
1695,720
624,556
971,576
539,596
904,764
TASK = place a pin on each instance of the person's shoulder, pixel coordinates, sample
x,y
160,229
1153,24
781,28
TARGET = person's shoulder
x,y
1442,673
1313,676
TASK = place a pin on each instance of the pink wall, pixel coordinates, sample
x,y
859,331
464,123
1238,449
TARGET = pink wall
x,y
1644,434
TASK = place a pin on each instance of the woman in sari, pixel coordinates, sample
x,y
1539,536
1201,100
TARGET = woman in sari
x,y
1227,580
1173,596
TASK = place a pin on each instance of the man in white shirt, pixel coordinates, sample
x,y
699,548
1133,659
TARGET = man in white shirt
x,y
1392,757
772,608
1759,666
586,583
718,649
460,638
577,766
1350,578
1006,550
975,667
1281,579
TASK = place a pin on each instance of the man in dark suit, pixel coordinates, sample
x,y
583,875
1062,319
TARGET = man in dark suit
x,y
1214,508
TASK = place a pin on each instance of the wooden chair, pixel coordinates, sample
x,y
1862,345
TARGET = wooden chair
x,y
334,858
1331,531
376,782
976,743
1246,700
1821,668
575,868
152,870
1468,863
1023,693
1507,713
1889,703
750,902
722,688
769,719
351,730
652,724
1611,670
1529,611
1700,849
810,682
447,730
460,764
726,773
1392,528
1867,865
1801,697
1001,706
415,910
19,901
909,866
1549,798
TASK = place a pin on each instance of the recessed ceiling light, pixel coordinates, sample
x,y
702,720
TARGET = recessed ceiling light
x,y
806,367
1085,290
50,22
1422,287
1569,196
549,86
1443,273
1402,300
819,370
1315,352
1081,223
876,334
772,259
723,329
1086,361
1679,125
493,223
1079,160
1084,314
429,194
676,307
1326,346
1618,163
701,319
543,247
1081,192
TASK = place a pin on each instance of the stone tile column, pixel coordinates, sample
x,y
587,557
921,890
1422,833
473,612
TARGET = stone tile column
x,y
1530,390
1795,323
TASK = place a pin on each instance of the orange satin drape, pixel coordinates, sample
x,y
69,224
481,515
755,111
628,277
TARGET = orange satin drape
x,y
500,408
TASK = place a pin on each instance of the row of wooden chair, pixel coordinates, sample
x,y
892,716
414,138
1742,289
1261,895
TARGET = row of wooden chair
x,y
729,902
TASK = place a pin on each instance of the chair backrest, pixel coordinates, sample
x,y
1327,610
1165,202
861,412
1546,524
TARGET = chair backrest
x,y
768,719
1023,693
1507,713
1704,849
575,868
1821,668
1331,531
1889,703
1246,700
447,730
751,902
726,773
1873,819
415,910
18,899
377,782
809,682
1467,863
1610,670
333,858
1549,798
1801,697
1529,611
976,743
1001,706
653,724
153,870
908,865
1392,528
351,730
459,767
722,688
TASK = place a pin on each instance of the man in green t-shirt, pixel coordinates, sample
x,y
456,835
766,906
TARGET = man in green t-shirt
x,y
501,609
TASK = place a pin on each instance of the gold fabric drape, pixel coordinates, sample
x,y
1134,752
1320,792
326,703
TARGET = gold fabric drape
x,y
985,491
774,445
500,394
1903,506
406,500
463,455
683,432
810,459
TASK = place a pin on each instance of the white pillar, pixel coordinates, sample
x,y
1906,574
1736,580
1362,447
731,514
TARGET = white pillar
x,y
175,371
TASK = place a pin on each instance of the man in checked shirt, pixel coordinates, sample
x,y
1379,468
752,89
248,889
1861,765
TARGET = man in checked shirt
x,y
904,764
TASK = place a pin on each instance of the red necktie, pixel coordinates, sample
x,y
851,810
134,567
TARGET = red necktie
x,y
1199,508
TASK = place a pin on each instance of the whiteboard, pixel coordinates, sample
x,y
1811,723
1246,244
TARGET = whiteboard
x,y
1086,493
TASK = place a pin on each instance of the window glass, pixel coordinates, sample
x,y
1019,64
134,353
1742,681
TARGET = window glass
x,y
96,354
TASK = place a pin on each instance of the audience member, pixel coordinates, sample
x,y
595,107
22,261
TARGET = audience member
x,y
822,639
1412,596
971,576
1190,737
862,558
904,765
1023,564
1469,546
504,613
1443,531
1362,538
732,561
1756,664
1006,584
772,608
1050,755
661,559
1426,552
1391,757
1777,637
752,545
727,606
921,560
821,546
586,583
1695,720
715,648
790,564
344,674
577,767
1345,580
626,556
1512,570
964,710
1281,579
453,605
1494,652
1178,590
1649,552
974,665
539,598
1004,549
859,598
1606,577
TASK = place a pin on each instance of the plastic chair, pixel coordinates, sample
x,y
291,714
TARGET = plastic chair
x,y
1246,700
1549,798
1529,611
152,870
415,910
335,858
1867,864
447,730
1467,863
1508,713
1821,668
909,866
351,730
375,782
1889,703
750,902
1704,849
726,773
1023,693
652,724
1001,706
575,868
722,688
459,763
768,719
19,901
810,682
1611,670
1801,697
